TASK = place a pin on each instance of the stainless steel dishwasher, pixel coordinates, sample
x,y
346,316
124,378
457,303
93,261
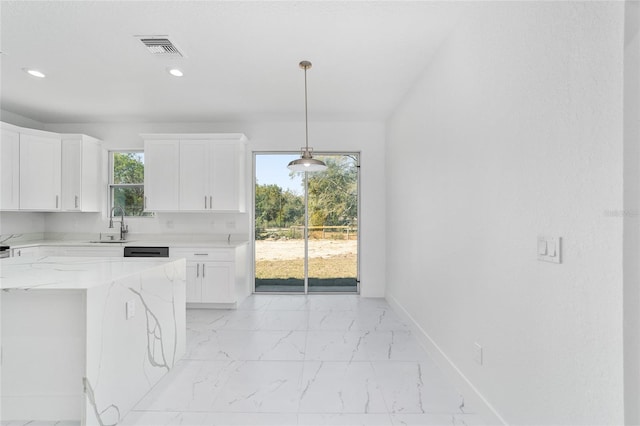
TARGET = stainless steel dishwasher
x,y
146,251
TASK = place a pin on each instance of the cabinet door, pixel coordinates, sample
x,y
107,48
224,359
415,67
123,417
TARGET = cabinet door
x,y
194,170
194,283
217,282
161,175
40,160
93,189
9,170
71,174
225,176
81,175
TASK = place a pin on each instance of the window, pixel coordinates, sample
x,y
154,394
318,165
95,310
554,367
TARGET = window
x,y
126,187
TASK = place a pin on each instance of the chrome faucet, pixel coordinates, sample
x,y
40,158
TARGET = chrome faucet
x,y
123,228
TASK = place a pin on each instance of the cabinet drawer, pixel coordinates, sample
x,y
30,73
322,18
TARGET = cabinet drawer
x,y
92,251
25,251
205,254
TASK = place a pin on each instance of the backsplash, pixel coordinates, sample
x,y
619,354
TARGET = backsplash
x,y
13,223
34,226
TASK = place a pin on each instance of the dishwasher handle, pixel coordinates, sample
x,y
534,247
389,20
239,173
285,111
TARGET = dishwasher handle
x,y
146,252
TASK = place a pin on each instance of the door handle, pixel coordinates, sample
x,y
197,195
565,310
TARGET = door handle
x,y
205,201
210,202
203,270
76,201
145,202
197,270
57,197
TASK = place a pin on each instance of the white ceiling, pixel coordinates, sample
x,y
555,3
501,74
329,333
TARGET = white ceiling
x,y
241,58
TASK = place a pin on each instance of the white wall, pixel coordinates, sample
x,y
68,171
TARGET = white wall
x,y
364,137
515,131
631,215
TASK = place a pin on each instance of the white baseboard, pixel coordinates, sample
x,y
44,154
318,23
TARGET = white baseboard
x,y
472,395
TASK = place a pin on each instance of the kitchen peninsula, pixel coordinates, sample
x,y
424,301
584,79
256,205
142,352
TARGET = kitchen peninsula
x,y
83,339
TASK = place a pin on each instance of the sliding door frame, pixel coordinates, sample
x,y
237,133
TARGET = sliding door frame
x,y
358,156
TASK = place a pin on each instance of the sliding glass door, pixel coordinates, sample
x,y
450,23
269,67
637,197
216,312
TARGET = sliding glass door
x,y
279,226
306,225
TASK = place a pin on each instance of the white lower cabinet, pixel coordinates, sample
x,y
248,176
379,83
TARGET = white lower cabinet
x,y
33,251
218,282
71,251
103,250
211,274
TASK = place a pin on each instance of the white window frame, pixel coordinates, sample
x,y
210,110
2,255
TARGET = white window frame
x,y
111,185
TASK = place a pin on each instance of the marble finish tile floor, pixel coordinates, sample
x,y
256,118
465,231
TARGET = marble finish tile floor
x,y
302,360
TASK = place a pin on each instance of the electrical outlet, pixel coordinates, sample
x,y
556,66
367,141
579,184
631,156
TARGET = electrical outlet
x,y
477,355
130,307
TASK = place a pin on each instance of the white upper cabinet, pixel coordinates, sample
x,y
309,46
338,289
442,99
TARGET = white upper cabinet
x,y
200,172
9,170
81,173
50,172
40,172
195,193
227,176
161,175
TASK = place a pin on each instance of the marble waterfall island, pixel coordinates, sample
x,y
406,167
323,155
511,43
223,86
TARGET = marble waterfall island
x,y
84,339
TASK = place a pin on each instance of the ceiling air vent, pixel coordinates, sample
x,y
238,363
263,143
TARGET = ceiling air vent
x,y
162,47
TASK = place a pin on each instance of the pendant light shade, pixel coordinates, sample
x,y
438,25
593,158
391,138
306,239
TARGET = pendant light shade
x,y
306,162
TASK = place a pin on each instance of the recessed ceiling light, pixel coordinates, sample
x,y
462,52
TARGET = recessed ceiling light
x,y
175,72
34,73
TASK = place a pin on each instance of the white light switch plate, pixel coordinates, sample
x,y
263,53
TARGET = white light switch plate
x,y
553,249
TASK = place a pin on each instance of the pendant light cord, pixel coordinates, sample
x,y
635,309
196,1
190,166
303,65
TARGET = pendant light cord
x,y
306,162
306,113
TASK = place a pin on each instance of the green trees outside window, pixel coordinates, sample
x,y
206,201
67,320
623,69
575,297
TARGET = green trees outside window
x,y
127,185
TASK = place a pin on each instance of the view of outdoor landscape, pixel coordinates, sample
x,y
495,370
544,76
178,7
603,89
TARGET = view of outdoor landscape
x,y
280,225
127,184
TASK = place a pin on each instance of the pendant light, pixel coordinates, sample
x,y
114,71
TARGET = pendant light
x,y
306,163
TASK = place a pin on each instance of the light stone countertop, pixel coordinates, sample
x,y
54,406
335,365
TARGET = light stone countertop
x,y
133,242
70,273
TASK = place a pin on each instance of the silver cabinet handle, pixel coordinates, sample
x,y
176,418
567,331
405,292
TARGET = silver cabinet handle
x,y
203,265
197,270
145,202
201,254
76,201
205,201
57,197
210,202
